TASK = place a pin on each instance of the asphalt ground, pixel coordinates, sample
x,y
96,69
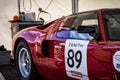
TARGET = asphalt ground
x,y
8,72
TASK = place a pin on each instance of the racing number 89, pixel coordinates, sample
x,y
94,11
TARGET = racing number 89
x,y
74,57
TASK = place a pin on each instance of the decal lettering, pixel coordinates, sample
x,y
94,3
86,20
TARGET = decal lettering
x,y
78,74
75,45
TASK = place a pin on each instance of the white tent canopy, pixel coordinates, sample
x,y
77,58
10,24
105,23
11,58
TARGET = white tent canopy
x,y
57,8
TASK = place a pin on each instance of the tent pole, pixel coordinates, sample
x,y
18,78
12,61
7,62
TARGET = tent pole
x,y
19,7
74,6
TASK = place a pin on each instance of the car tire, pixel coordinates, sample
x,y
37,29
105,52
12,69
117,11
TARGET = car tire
x,y
24,62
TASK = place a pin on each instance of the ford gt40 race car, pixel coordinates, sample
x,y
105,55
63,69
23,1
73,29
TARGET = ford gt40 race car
x,y
83,46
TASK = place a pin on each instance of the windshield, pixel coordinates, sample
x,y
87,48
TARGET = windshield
x,y
112,23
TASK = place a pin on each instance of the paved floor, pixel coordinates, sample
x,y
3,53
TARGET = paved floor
x,y
8,72
1,76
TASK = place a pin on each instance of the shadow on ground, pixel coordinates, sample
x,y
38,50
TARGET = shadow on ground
x,y
9,72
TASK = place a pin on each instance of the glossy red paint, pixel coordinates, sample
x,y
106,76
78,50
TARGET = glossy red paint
x,y
102,27
51,64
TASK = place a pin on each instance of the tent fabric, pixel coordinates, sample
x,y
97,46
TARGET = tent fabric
x,y
57,8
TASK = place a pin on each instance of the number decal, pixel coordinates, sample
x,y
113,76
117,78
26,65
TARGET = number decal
x,y
76,58
71,56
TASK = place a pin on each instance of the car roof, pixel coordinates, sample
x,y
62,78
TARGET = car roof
x,y
96,10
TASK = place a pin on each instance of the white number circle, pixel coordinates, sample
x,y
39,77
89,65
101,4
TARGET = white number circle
x,y
116,61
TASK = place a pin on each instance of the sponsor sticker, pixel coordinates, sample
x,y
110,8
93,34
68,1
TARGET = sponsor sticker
x,y
116,61
76,59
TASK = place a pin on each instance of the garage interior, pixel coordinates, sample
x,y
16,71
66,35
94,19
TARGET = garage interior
x,y
41,11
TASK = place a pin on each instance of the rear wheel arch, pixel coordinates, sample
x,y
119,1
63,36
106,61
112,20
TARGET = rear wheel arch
x,y
33,74
16,44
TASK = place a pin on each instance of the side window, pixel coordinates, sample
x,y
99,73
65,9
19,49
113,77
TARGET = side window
x,y
86,19
90,22
112,24
66,25
87,24
82,26
113,28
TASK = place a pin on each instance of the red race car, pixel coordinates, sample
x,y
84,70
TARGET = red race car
x,y
83,46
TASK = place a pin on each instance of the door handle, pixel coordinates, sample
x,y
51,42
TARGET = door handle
x,y
57,46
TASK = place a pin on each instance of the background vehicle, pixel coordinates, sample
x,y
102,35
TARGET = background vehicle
x,y
83,46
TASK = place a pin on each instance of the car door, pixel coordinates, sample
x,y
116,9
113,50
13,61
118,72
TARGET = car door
x,y
83,50
112,27
77,43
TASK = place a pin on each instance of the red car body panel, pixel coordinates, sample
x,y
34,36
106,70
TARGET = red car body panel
x,y
99,53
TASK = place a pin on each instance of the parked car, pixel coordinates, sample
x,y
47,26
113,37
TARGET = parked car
x,y
83,46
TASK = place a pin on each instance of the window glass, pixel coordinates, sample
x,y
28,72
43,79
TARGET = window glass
x,y
112,24
67,22
88,19
90,22
73,23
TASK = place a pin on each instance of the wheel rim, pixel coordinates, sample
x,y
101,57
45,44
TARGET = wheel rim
x,y
24,62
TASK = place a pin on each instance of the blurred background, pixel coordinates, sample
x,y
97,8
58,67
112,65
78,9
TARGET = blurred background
x,y
53,9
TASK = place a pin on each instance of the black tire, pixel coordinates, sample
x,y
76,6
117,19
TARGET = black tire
x,y
24,63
